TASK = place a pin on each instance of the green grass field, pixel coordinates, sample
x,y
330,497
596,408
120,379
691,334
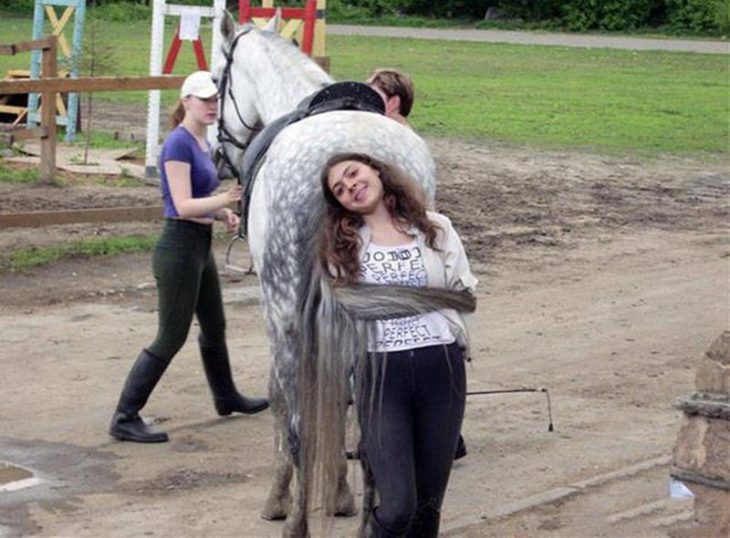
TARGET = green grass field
x,y
612,101
24,259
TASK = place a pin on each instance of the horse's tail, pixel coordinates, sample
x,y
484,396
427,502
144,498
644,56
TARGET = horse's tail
x,y
338,321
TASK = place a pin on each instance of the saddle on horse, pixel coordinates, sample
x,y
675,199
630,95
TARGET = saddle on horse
x,y
346,95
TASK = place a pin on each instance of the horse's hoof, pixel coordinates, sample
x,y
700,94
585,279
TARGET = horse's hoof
x,y
348,511
345,506
295,530
273,516
275,511
277,508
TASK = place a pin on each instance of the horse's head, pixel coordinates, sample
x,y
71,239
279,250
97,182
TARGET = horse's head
x,y
260,76
239,119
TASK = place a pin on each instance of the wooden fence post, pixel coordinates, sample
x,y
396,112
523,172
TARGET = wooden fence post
x,y
48,116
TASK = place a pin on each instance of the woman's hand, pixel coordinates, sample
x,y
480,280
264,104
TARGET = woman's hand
x,y
230,219
234,194
178,178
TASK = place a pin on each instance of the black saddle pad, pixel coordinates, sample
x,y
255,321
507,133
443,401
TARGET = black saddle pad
x,y
358,95
346,95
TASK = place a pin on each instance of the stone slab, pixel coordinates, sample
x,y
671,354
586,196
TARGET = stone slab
x,y
703,447
713,370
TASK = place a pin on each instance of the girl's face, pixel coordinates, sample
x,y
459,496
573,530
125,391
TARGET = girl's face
x,y
203,111
356,186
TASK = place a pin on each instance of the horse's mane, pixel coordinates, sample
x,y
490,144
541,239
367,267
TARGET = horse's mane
x,y
288,58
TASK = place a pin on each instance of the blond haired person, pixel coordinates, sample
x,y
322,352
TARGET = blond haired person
x,y
185,269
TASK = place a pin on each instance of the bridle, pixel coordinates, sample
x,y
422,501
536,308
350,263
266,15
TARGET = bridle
x,y
225,136
225,86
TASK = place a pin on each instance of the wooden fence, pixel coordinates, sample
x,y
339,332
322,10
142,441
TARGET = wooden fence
x,y
50,85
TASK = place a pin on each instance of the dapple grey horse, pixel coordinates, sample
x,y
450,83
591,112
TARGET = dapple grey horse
x,y
264,77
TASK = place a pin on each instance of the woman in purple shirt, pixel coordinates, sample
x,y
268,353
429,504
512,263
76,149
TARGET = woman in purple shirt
x,y
185,269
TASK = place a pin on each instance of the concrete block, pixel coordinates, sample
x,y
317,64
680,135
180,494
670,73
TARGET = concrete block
x,y
713,369
703,447
712,514
712,510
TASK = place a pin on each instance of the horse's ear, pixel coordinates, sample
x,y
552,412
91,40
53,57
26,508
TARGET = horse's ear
x,y
228,25
273,24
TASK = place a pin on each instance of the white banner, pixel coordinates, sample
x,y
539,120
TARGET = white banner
x,y
189,24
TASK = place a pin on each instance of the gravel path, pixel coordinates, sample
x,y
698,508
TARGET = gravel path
x,y
535,38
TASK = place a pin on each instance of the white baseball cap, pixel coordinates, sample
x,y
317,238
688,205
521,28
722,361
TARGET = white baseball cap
x,y
200,84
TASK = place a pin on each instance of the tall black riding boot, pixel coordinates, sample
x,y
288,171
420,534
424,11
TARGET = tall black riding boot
x,y
218,371
127,425
375,529
460,448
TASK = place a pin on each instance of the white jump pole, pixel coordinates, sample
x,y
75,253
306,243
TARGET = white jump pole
x,y
159,10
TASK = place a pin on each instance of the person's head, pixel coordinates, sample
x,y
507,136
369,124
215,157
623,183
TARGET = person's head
x,y
396,89
198,100
354,185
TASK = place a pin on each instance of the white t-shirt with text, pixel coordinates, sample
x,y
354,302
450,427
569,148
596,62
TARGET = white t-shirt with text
x,y
402,265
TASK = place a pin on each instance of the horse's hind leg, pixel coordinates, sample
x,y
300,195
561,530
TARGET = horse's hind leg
x,y
345,503
279,502
345,500
368,496
296,524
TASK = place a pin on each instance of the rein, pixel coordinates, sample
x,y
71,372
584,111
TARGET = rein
x,y
225,88
515,391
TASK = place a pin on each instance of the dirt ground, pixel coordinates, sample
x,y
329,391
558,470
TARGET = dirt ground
x,y
602,279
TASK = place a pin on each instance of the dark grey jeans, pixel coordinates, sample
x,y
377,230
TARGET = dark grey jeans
x,y
410,428
187,285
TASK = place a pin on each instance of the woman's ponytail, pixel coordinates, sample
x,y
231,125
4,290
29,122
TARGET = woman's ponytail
x,y
177,114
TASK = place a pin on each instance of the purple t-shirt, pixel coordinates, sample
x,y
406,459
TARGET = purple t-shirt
x,y
182,146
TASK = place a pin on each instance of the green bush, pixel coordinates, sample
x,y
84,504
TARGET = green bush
x,y
581,15
121,11
705,17
374,7
699,15
456,9
17,7
529,10
346,11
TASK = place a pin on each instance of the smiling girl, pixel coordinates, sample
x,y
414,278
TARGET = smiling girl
x,y
377,230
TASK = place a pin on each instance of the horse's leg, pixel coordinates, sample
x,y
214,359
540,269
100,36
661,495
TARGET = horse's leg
x,y
368,495
296,524
278,503
345,500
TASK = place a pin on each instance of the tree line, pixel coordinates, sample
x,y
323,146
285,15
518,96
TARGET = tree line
x,y
697,16
577,15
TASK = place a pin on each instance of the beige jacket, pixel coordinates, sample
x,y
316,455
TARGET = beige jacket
x,y
447,267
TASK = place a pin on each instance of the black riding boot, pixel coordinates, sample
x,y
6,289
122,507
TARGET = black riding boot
x,y
218,371
126,422
460,448
375,529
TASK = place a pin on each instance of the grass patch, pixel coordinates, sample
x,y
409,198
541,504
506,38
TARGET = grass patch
x,y
28,173
608,100
614,101
10,174
34,257
104,140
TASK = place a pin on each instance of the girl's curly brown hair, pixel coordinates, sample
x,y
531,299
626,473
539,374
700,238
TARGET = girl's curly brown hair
x,y
340,241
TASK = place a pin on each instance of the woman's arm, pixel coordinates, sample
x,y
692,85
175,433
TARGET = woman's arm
x,y
456,264
229,218
178,179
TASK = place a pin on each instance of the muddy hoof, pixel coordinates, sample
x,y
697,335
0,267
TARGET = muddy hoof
x,y
277,509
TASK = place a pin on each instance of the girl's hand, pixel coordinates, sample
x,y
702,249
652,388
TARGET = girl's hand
x,y
234,194
231,220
